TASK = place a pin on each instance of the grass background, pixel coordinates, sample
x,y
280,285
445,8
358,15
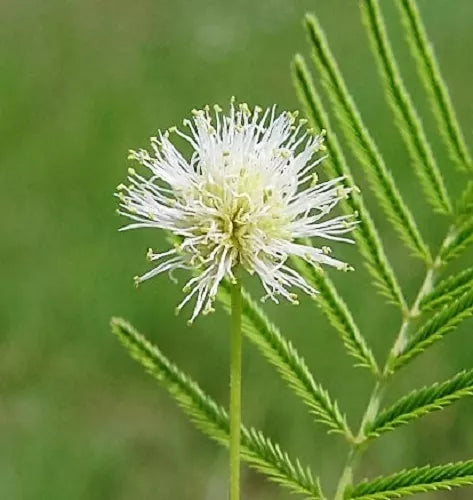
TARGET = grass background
x,y
80,84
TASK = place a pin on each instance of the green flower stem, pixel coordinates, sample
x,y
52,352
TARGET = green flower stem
x,y
235,391
359,445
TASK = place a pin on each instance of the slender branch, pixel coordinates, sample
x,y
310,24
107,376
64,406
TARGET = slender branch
x,y
347,475
355,451
425,288
235,392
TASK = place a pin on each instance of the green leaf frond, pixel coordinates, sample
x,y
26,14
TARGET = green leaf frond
x,y
406,117
448,290
460,240
362,143
339,315
421,402
465,203
434,84
212,419
417,480
442,323
366,234
290,365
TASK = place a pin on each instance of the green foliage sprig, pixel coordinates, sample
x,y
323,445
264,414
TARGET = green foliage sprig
x,y
407,118
362,143
434,84
460,240
421,402
260,452
418,480
443,322
447,290
465,203
407,345
367,236
437,309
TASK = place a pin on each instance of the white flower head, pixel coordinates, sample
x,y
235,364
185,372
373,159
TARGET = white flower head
x,y
245,197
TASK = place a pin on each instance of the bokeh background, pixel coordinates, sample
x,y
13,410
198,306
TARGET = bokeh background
x,y
81,82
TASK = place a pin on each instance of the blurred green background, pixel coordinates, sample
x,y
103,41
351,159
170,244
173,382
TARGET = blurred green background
x,y
81,82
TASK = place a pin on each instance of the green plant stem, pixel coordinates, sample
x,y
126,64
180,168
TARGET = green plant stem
x,y
425,288
359,445
346,477
235,391
356,448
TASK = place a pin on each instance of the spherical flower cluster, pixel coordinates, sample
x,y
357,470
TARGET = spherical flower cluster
x,y
246,196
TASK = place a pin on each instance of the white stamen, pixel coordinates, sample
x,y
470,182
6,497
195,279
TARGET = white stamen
x,y
245,195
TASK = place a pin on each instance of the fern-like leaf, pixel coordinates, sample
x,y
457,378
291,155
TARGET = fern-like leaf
x,y
339,316
465,203
366,234
434,84
285,358
460,240
421,402
362,143
407,119
212,419
417,480
445,321
448,290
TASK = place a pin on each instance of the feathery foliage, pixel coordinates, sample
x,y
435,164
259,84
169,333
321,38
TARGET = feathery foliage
x,y
434,84
212,419
292,367
465,203
460,240
451,300
362,143
407,119
448,290
445,321
417,480
421,402
339,316
366,234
